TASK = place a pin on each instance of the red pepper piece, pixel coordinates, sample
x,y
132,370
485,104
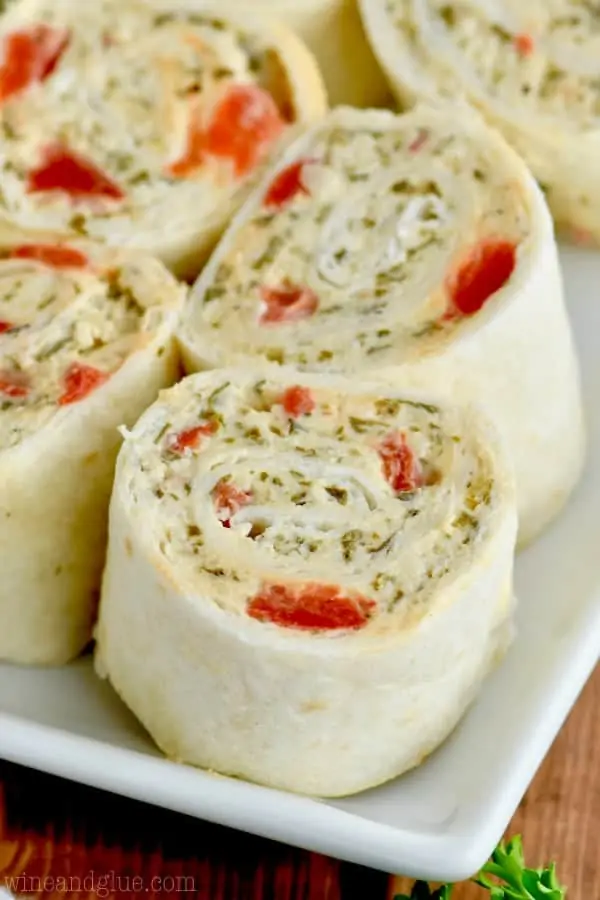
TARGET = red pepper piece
x,y
287,304
14,384
51,255
62,169
79,381
487,269
297,401
524,44
317,607
30,56
287,184
243,125
191,437
5,326
229,499
400,468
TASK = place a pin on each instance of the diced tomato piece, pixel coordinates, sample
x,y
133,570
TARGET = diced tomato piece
x,y
79,381
400,468
524,44
243,125
14,384
297,401
287,304
229,499
192,437
30,56
487,269
51,255
5,326
62,169
315,607
287,184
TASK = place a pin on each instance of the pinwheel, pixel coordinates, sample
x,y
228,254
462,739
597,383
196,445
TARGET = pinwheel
x,y
140,123
531,68
307,581
86,343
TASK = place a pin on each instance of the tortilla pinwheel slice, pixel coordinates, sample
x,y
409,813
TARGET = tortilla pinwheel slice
x,y
86,344
531,68
307,581
141,123
413,248
333,30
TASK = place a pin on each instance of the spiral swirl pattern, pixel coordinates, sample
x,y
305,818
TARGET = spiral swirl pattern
x,y
137,113
532,69
416,249
254,484
70,316
374,241
302,571
86,343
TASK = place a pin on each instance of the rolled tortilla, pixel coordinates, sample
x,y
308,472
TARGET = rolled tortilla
x,y
141,123
333,30
86,344
306,580
531,68
413,248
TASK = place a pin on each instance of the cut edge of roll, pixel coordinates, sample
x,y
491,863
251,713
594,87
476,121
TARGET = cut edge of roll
x,y
474,419
197,349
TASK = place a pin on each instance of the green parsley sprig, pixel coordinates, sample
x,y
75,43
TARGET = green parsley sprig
x,y
505,876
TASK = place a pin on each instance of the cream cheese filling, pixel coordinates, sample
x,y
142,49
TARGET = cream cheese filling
x,y
64,328
131,79
377,223
539,58
269,496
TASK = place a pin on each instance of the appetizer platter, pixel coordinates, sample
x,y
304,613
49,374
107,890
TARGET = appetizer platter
x,y
299,432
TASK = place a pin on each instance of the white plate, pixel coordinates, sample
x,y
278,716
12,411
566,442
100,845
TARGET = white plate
x,y
438,822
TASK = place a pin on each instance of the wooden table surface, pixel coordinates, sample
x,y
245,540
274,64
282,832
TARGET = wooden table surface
x,y
58,839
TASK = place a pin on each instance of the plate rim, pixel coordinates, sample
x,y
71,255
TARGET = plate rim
x,y
309,823
447,852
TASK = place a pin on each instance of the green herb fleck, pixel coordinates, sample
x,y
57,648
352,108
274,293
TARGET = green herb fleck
x,y
325,355
162,432
77,223
363,425
212,397
269,253
384,545
275,354
349,542
339,494
213,293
